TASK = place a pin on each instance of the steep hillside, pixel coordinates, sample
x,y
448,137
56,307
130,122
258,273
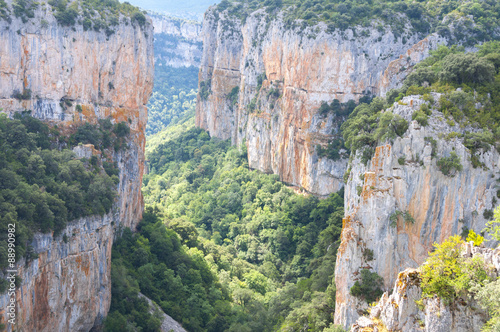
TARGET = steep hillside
x,y
71,66
250,254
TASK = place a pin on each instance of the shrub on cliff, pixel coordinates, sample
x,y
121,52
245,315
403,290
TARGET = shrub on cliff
x,y
448,275
450,165
469,84
466,68
369,288
367,125
493,227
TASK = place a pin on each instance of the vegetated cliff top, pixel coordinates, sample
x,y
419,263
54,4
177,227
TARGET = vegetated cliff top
x,y
91,14
480,20
468,84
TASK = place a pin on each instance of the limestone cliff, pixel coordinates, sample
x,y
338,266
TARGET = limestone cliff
x,y
404,176
398,311
57,68
178,42
263,84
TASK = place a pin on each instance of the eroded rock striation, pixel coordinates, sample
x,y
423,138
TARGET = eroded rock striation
x,y
262,84
67,288
403,176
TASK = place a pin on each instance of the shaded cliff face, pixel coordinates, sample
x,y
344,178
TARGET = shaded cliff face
x,y
68,287
283,76
403,176
178,42
397,311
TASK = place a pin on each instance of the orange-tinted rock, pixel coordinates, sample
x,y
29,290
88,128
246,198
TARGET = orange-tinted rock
x,y
307,67
440,205
67,288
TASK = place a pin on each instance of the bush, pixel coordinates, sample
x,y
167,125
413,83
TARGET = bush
x,y
476,238
139,18
448,275
369,288
493,227
420,117
488,214
205,89
233,95
466,68
25,95
450,165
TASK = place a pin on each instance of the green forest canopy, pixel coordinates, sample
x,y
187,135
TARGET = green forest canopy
x,y
173,98
248,253
424,16
42,186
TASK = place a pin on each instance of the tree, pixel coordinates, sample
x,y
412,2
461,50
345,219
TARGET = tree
x,y
493,227
447,274
369,288
466,68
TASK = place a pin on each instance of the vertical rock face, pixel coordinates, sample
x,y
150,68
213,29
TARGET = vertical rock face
x,y
403,176
68,287
283,76
178,42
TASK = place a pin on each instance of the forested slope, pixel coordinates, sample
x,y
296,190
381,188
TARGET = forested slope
x,y
227,248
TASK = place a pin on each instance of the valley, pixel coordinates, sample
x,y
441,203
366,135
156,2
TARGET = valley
x,y
250,166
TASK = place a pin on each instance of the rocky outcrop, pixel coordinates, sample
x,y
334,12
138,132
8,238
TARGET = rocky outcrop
x,y
168,324
178,42
399,311
403,176
283,75
56,69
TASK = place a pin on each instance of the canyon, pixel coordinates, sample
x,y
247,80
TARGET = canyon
x,y
68,287
287,74
261,84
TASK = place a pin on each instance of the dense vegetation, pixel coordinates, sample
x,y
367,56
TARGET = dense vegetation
x,y
448,275
455,278
43,186
173,98
465,79
423,16
251,255
469,84
94,15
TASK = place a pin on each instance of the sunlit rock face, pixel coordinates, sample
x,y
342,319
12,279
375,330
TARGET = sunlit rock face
x,y
302,68
403,176
68,287
178,43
